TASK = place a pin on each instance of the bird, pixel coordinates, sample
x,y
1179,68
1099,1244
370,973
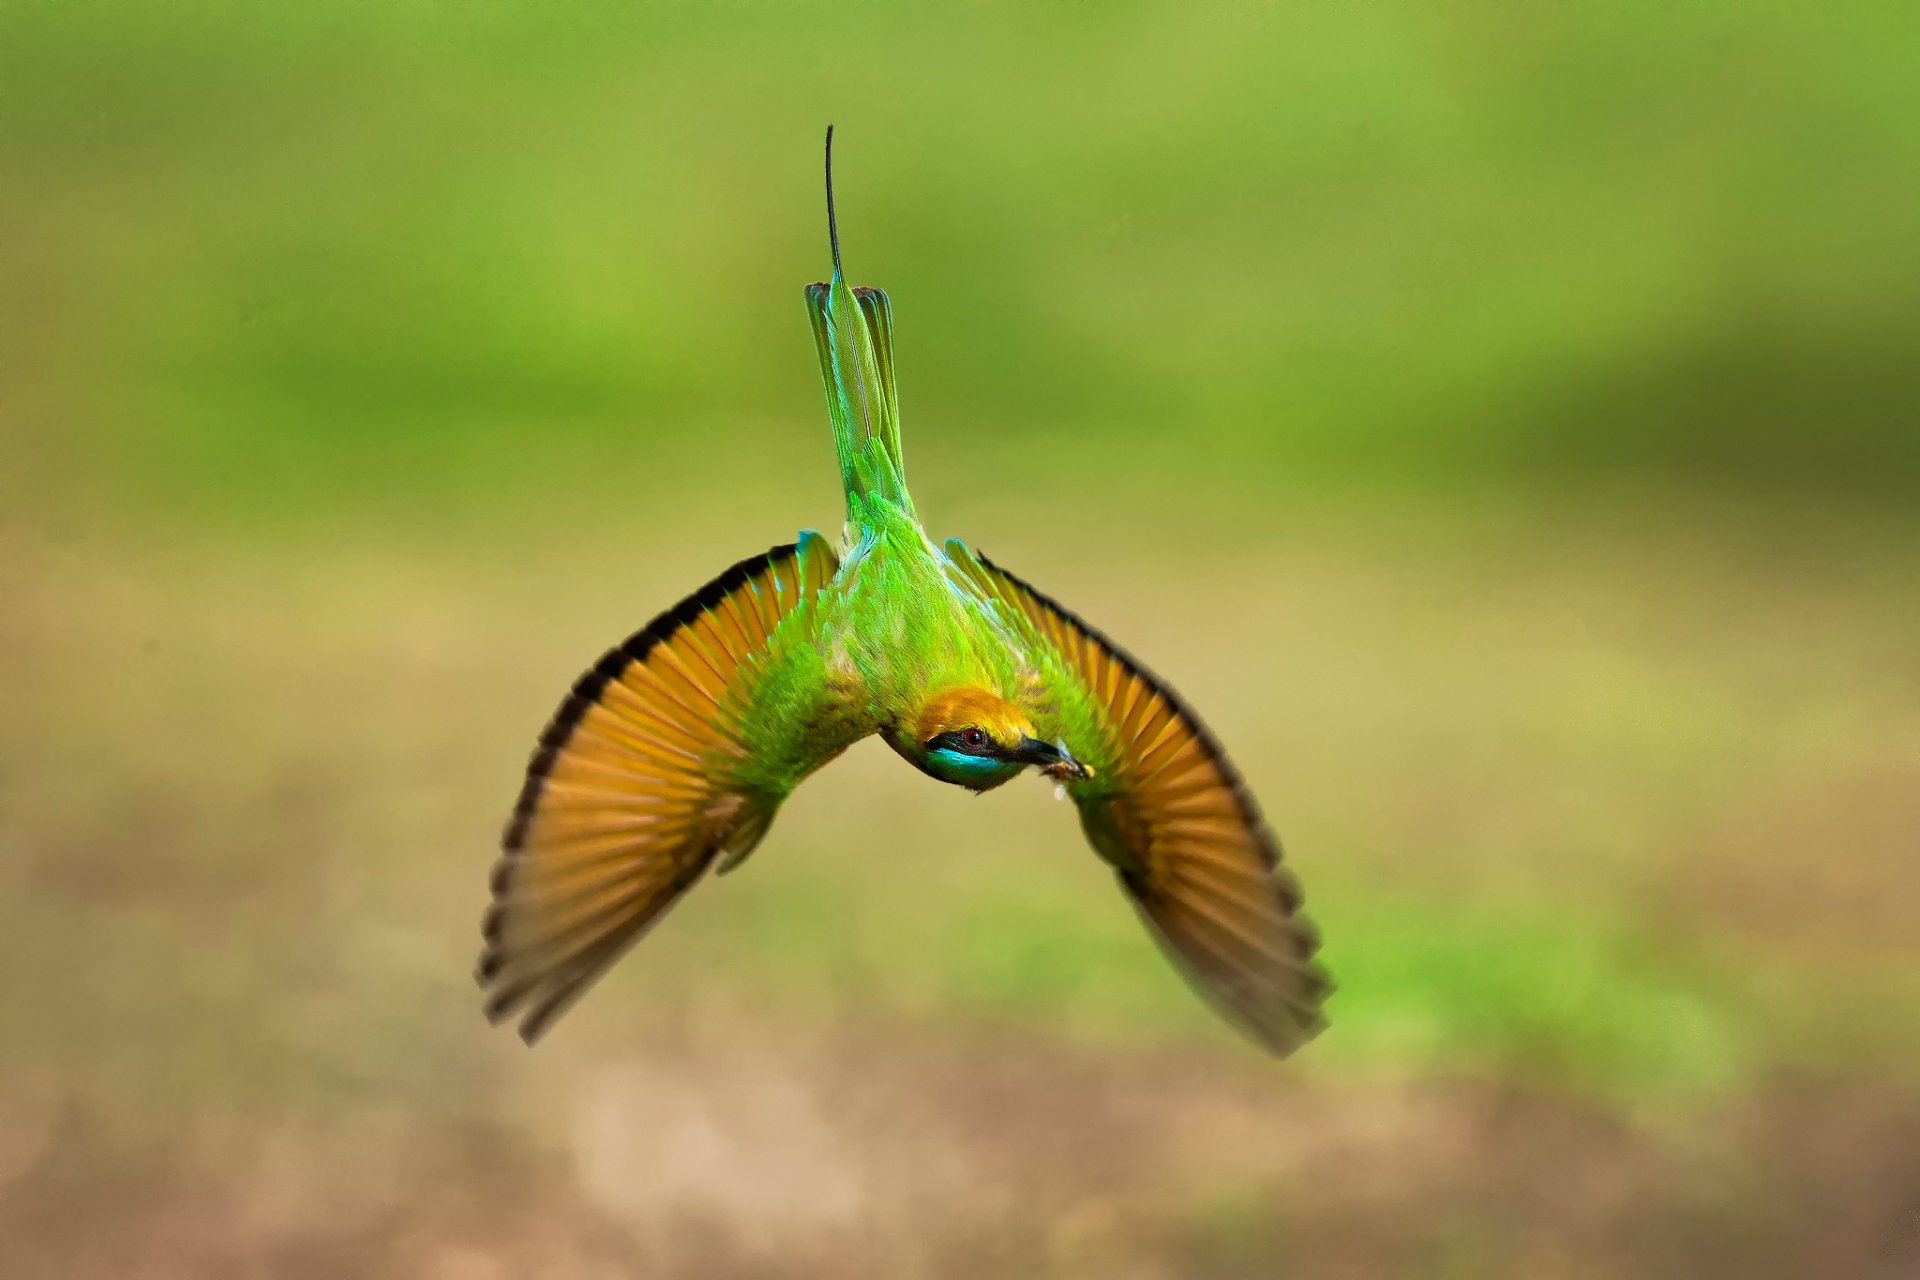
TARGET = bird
x,y
671,755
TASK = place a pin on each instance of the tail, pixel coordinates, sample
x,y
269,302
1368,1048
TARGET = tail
x,y
853,330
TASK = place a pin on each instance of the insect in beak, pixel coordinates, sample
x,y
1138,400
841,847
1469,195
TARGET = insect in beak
x,y
1053,758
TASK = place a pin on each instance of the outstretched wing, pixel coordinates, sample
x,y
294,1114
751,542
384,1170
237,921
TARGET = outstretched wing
x,y
1166,808
675,749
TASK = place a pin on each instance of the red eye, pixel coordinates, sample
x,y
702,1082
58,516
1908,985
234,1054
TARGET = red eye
x,y
974,738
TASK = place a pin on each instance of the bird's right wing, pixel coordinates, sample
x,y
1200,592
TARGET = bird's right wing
x,y
672,752
1168,811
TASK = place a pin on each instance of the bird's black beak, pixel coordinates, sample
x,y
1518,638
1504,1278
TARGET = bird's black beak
x,y
1051,758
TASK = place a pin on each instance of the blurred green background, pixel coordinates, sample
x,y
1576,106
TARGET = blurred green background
x,y
1503,423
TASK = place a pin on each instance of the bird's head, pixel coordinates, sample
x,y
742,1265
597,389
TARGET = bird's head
x,y
976,739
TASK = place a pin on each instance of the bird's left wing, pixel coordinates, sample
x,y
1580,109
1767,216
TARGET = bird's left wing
x,y
672,752
1168,811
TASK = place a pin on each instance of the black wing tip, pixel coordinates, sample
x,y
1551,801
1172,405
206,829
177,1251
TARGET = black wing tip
x,y
539,998
1280,1019
535,998
507,1002
1289,1041
1279,1008
1311,1019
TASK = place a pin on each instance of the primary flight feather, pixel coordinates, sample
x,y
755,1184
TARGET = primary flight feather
x,y
672,754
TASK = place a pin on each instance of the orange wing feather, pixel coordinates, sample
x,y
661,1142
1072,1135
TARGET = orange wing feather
x,y
634,789
1172,816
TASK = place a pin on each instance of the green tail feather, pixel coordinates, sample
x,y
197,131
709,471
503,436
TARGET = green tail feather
x,y
853,331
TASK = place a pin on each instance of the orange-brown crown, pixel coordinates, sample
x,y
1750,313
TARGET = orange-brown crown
x,y
968,707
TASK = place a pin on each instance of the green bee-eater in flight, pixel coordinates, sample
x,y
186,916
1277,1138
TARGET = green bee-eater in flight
x,y
674,752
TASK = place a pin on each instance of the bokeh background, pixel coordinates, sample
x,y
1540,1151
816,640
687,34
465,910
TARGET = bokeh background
x,y
1502,422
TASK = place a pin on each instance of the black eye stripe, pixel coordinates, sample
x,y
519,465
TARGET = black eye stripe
x,y
956,740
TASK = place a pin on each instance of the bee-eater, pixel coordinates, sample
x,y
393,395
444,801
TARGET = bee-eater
x,y
672,754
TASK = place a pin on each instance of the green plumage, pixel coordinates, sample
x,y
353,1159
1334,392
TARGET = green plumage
x,y
902,622
673,754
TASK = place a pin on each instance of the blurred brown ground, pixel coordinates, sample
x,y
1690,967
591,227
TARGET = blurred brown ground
x,y
240,916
